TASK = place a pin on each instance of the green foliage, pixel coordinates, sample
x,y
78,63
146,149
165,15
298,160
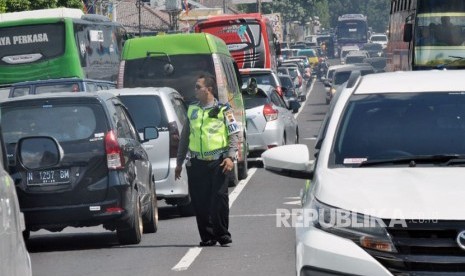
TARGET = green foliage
x,y
25,5
70,4
43,4
2,6
327,10
17,5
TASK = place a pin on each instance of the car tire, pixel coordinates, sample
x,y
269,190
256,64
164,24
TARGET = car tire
x,y
132,234
243,169
151,217
234,176
26,235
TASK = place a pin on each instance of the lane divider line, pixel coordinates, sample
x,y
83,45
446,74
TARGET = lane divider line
x,y
187,260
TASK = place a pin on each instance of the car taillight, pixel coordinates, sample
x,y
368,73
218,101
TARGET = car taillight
x,y
270,113
115,158
120,81
174,139
279,89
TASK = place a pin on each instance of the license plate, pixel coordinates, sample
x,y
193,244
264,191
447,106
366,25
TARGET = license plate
x,y
48,177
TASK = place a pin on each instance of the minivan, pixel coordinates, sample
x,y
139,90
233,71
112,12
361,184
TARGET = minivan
x,y
104,176
176,60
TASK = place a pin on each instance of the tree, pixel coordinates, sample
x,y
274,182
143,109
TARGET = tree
x,y
25,5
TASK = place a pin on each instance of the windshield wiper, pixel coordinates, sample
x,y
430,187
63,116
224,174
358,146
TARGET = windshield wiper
x,y
444,65
440,159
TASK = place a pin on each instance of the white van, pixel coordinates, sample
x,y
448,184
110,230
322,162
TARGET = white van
x,y
385,195
345,50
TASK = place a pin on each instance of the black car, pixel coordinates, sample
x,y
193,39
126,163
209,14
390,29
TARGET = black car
x,y
104,175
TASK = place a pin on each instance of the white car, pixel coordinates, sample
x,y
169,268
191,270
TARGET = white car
x,y
14,260
270,121
380,39
385,195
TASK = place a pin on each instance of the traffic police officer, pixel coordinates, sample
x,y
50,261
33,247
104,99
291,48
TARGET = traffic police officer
x,y
211,136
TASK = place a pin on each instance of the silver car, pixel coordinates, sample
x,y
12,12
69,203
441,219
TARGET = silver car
x,y
270,121
164,108
15,260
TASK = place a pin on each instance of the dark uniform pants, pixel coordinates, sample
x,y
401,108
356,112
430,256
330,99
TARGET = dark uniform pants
x,y
208,188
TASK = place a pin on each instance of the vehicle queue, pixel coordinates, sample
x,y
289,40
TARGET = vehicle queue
x,y
389,129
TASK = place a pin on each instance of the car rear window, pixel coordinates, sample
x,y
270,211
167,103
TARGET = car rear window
x,y
146,110
266,79
59,87
63,122
251,101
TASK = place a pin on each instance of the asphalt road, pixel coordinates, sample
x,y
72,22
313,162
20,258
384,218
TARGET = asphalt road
x,y
259,247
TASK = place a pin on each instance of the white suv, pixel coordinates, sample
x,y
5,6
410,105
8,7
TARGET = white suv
x,y
385,195
380,39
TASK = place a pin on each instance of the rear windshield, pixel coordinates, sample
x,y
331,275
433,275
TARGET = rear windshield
x,y
341,77
354,59
251,101
146,111
63,122
149,72
266,79
286,82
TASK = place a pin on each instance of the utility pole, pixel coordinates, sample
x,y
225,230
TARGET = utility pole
x,y
139,4
259,6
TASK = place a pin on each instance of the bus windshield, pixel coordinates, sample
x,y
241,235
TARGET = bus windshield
x,y
438,38
186,70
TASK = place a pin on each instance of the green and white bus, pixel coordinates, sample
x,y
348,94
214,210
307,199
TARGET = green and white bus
x,y
176,60
58,43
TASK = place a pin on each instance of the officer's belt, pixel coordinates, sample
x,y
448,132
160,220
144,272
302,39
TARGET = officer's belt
x,y
209,156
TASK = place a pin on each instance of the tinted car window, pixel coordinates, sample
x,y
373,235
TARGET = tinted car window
x,y
150,111
341,77
286,82
66,87
399,125
266,79
186,70
251,101
180,109
123,127
64,122
20,91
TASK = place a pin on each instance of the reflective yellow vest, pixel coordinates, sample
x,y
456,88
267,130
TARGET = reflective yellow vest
x,y
208,136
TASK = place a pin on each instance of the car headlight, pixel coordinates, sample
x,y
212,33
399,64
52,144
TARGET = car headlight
x,y
366,231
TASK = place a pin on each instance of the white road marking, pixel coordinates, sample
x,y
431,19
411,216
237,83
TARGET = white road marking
x,y
297,202
240,186
310,138
308,96
192,253
188,259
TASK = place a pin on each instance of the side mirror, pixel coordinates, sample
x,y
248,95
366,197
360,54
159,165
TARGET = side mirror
x,y
38,152
150,133
294,106
252,87
289,160
408,31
